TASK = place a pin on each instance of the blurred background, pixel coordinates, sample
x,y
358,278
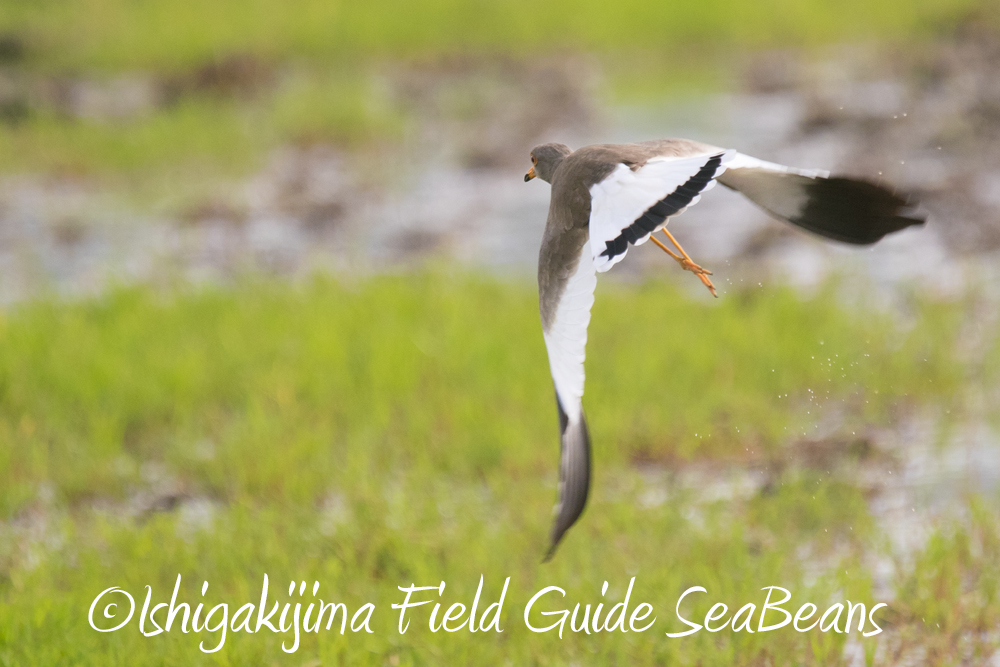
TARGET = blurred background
x,y
267,305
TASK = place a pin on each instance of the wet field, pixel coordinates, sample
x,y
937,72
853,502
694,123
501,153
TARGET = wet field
x,y
452,190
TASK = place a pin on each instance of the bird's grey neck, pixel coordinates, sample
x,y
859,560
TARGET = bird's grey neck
x,y
550,172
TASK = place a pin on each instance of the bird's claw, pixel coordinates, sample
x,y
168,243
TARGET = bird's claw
x,y
703,274
686,262
688,265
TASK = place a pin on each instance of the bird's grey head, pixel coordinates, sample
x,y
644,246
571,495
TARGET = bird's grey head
x,y
545,159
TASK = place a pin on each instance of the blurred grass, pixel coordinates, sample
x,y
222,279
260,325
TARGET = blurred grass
x,y
90,390
401,428
213,132
204,134
117,35
324,55
954,586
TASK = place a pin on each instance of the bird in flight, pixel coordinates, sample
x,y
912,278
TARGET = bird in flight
x,y
608,197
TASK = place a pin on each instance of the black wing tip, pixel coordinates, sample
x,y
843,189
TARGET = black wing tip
x,y
574,477
555,541
855,211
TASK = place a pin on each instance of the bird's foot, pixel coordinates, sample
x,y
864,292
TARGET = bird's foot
x,y
703,274
686,262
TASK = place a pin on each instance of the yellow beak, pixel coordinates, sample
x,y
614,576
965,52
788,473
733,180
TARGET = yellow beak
x,y
530,175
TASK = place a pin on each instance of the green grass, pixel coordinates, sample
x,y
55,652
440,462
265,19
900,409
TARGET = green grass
x,y
91,390
121,34
202,135
954,587
375,433
212,132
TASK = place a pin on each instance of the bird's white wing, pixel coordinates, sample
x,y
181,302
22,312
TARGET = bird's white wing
x,y
627,206
741,161
566,335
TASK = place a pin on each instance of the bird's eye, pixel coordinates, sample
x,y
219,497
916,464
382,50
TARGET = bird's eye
x,y
534,160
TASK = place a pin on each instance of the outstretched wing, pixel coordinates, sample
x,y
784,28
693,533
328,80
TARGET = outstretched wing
x,y
567,282
843,209
630,204
566,333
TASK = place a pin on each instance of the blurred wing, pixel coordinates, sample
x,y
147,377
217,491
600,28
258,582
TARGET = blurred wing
x,y
566,341
843,209
627,206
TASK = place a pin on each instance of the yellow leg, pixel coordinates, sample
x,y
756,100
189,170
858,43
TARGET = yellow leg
x,y
686,262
